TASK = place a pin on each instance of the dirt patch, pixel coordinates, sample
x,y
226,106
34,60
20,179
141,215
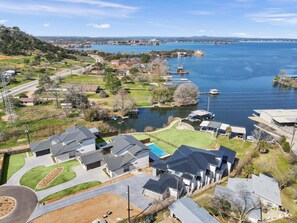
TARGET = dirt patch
x,y
50,177
88,210
3,57
7,205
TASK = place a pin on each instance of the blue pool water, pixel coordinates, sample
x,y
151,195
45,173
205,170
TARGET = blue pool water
x,y
156,151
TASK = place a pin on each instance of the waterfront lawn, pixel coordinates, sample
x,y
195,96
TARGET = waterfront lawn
x,y
11,165
175,138
36,174
71,190
241,147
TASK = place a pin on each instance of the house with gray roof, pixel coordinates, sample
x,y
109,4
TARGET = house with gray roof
x,y
168,185
188,211
252,193
71,143
123,154
197,167
91,160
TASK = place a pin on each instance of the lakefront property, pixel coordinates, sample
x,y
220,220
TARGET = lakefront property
x,y
148,112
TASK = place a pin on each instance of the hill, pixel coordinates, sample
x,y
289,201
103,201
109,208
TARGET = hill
x,y
13,41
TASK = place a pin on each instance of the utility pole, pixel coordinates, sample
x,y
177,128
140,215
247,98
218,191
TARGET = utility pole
x,y
27,133
294,131
128,193
208,103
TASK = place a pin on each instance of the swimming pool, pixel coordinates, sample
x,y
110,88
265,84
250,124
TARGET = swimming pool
x,y
156,152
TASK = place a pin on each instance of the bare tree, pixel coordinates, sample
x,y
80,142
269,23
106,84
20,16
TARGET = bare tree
x,y
237,205
186,94
123,102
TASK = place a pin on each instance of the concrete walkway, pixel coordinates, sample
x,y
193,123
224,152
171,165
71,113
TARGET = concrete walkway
x,y
82,176
136,183
30,162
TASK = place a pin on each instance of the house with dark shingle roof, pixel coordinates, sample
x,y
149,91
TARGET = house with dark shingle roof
x,y
73,142
123,154
91,160
197,167
168,185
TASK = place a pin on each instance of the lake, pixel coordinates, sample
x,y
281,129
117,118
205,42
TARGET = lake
x,y
242,72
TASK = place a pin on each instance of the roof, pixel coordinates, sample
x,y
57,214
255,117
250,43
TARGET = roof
x,y
267,187
191,160
201,112
188,211
94,130
166,181
116,162
40,146
124,143
236,129
91,157
66,142
281,115
215,125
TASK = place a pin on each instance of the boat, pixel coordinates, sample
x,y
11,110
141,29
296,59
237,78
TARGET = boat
x,y
199,53
214,91
181,70
200,115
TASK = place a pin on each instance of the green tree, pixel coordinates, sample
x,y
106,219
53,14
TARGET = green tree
x,y
112,83
145,58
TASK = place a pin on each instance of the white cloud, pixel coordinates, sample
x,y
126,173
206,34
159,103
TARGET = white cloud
x,y
99,26
100,4
275,17
46,25
3,21
244,35
202,30
65,10
201,12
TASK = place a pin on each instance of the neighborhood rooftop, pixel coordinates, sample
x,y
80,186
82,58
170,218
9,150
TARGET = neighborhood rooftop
x,y
188,211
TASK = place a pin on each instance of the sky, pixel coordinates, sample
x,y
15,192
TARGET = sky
x,y
119,18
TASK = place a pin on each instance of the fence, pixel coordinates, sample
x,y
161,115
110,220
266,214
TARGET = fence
x,y
109,134
14,151
162,140
144,141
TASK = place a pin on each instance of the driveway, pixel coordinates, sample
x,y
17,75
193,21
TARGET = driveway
x,y
30,162
82,176
136,183
26,202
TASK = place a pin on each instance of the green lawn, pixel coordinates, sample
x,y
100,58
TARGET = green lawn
x,y
36,174
11,165
71,190
179,137
84,80
238,145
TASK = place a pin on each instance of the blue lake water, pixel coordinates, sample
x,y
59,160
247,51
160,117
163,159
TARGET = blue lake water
x,y
242,72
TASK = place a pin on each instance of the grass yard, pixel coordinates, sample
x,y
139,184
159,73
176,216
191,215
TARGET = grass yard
x,y
36,174
84,80
71,190
238,145
11,165
179,137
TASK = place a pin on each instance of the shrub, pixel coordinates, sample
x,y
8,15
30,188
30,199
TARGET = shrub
x,y
149,129
286,147
282,140
255,154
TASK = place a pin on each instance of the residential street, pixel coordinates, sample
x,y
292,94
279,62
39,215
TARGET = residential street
x,y
120,188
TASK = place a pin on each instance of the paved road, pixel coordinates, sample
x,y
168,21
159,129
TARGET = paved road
x,y
97,58
33,84
82,176
26,203
136,183
30,162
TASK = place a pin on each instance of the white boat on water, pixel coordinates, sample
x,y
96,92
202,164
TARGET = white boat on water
x,y
214,91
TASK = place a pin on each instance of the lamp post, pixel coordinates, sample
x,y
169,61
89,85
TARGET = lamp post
x,y
27,133
128,193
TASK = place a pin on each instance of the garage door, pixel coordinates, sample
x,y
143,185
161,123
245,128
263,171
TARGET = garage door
x,y
44,152
93,165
